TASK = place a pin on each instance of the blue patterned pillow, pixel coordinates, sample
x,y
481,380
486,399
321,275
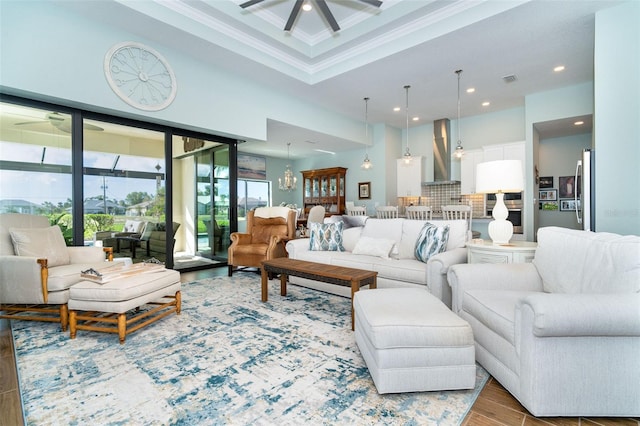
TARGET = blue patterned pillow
x,y
431,240
325,236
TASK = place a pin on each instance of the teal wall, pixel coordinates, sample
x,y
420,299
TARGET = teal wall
x,y
617,119
49,52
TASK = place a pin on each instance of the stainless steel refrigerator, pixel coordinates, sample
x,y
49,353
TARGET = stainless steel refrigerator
x,y
584,194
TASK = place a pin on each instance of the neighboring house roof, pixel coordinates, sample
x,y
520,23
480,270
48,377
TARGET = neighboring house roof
x,y
18,206
97,206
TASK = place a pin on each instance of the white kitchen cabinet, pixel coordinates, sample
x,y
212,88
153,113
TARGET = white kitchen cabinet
x,y
468,163
504,151
493,152
471,158
409,176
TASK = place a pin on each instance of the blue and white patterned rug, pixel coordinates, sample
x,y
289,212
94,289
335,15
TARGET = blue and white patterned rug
x,y
227,359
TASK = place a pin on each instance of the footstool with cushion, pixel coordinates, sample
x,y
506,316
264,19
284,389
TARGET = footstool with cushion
x,y
411,341
92,302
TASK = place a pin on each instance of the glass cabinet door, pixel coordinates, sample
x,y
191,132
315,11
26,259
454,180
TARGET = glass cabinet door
x,y
332,186
307,188
316,188
342,186
323,187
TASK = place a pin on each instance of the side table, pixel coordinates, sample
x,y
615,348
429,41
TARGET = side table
x,y
484,251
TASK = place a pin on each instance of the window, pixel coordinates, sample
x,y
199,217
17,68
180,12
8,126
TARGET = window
x,y
252,194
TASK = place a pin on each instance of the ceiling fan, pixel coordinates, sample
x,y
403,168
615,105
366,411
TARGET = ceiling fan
x,y
322,5
61,122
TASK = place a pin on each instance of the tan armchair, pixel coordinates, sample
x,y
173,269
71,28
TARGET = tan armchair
x,y
37,268
268,230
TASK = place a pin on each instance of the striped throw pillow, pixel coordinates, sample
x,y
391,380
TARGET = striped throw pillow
x,y
431,240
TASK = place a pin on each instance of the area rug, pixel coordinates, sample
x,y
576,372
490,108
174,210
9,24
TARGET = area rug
x,y
228,359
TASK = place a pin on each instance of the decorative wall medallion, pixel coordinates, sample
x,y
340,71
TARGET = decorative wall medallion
x,y
140,76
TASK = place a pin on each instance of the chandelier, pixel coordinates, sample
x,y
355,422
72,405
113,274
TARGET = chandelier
x,y
366,164
288,183
459,152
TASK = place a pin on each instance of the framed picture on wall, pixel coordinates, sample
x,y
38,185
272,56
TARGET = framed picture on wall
x,y
567,186
548,195
252,167
549,205
546,182
364,190
568,205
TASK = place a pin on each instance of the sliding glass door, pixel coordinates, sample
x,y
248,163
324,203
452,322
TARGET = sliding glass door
x,y
35,164
201,198
106,181
124,190
212,204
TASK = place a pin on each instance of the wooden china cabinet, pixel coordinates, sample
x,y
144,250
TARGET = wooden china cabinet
x,y
324,187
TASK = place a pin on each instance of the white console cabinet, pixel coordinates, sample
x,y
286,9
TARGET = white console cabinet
x,y
484,251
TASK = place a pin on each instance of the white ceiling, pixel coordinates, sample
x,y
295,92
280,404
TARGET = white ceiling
x,y
376,53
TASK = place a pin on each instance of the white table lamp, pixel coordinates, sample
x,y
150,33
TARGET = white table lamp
x,y
499,177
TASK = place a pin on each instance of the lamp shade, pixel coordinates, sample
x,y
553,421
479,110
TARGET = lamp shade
x,y
499,176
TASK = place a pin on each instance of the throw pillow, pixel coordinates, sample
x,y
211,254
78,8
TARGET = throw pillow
x,y
379,247
148,229
353,221
43,243
325,236
431,240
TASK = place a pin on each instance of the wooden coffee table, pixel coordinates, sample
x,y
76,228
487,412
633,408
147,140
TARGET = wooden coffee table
x,y
338,275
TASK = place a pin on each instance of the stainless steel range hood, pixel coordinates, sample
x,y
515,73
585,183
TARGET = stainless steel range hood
x,y
442,153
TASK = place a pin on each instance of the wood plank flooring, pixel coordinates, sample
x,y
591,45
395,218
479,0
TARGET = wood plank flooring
x,y
494,406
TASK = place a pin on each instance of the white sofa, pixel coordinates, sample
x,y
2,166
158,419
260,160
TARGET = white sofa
x,y
401,269
561,334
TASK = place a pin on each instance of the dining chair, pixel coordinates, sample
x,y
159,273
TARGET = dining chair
x,y
458,211
387,212
419,212
316,214
357,211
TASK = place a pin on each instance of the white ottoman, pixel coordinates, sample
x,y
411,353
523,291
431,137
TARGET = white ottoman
x,y
101,301
411,341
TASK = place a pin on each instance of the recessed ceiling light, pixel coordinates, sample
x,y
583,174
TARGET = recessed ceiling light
x,y
486,104
578,123
396,109
416,118
559,68
306,7
471,90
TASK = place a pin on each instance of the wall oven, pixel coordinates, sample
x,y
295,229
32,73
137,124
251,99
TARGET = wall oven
x,y
514,206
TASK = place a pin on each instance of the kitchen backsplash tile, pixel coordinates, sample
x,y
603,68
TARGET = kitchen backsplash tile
x,y
437,196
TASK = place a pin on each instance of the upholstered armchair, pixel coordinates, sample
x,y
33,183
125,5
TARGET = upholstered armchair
x,y
37,268
561,334
268,230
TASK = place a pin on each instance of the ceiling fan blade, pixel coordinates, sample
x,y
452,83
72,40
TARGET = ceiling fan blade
x,y
294,15
376,3
322,5
31,122
250,3
88,126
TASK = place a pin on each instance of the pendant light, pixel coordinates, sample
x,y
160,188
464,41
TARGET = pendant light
x,y
288,183
459,152
407,154
366,164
